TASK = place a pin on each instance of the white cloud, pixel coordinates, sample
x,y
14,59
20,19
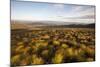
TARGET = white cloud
x,y
61,6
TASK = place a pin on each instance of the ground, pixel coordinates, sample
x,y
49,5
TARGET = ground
x,y
52,46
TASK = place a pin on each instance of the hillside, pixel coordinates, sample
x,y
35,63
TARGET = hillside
x,y
36,25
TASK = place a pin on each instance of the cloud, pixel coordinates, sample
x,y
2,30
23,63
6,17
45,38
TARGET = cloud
x,y
82,17
79,14
82,10
58,6
87,17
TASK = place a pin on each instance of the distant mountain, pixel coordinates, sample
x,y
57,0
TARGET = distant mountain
x,y
92,25
49,24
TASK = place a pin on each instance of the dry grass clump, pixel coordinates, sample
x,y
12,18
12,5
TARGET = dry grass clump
x,y
52,46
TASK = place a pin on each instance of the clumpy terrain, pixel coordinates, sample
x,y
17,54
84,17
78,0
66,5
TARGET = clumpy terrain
x,y
52,46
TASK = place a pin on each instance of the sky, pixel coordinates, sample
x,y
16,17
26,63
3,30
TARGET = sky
x,y
38,11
